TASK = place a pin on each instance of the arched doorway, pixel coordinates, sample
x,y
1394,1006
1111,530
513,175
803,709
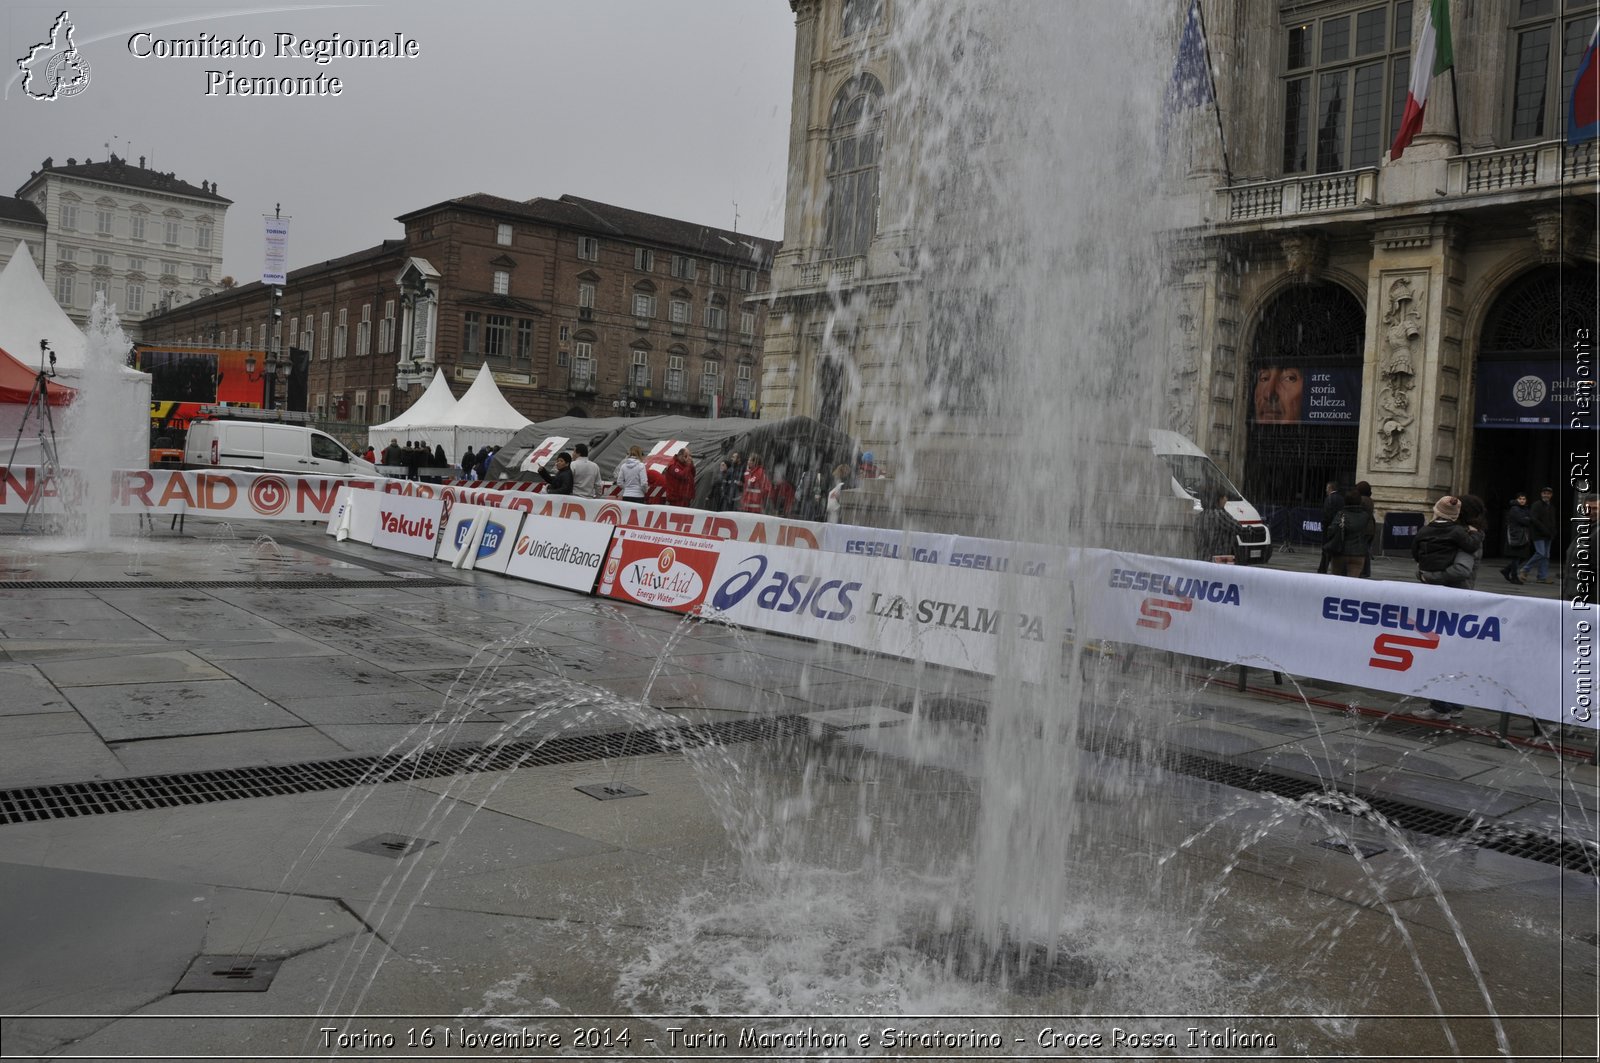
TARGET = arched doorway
x,y
1525,383
1304,395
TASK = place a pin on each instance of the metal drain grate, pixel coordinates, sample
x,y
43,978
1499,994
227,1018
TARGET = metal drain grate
x,y
32,803
1571,854
228,584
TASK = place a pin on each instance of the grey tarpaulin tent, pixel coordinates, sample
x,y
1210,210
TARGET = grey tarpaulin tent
x,y
790,447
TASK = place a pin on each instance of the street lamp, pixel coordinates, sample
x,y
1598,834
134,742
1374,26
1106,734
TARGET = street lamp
x,y
624,405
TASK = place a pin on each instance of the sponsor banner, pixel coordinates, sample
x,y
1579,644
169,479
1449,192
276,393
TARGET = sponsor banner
x,y
354,516
1531,394
659,569
216,493
544,452
467,530
1294,394
558,553
974,620
998,555
408,524
851,539
1488,650
499,539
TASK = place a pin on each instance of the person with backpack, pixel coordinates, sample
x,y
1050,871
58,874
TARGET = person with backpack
x,y
1347,539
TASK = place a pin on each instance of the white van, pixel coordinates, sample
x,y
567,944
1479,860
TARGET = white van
x,y
289,448
1196,477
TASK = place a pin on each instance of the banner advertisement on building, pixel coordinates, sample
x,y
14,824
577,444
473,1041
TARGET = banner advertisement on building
x,y
275,269
557,553
409,525
659,569
972,620
1309,394
1526,394
1489,650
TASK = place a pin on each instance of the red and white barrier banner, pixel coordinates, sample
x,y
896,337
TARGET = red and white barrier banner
x,y
229,494
408,524
1493,651
746,527
972,620
659,569
558,553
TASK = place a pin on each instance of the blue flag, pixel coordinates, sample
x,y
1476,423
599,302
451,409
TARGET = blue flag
x,y
1191,74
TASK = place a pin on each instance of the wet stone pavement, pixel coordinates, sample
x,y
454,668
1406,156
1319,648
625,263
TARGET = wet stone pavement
x,y
266,667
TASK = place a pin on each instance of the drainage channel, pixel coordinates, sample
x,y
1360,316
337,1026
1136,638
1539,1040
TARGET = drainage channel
x,y
1525,842
68,800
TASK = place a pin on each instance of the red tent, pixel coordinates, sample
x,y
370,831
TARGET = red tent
x,y
17,381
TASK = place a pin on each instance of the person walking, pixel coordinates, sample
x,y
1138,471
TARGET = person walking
x,y
631,478
733,483
469,462
678,479
1332,503
585,473
1519,538
1348,539
1447,550
1364,489
1543,515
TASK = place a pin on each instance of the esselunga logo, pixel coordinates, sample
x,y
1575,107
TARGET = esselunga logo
x,y
54,69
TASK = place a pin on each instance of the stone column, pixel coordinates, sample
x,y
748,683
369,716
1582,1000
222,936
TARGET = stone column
x,y
1412,377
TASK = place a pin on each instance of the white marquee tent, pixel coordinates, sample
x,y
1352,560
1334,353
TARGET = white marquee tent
x,y
28,314
480,417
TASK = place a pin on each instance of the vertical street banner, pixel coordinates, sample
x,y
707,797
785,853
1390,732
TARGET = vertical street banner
x,y
277,258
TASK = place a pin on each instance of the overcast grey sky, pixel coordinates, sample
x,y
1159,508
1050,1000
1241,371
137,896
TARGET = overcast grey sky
x,y
676,107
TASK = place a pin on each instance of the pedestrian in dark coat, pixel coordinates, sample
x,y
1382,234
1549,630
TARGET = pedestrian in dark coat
x,y
1348,538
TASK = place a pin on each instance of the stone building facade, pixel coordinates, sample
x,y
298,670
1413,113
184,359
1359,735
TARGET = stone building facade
x,y
577,307
145,238
1437,312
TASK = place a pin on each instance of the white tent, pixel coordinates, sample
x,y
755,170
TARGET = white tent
x,y
431,417
480,417
484,416
28,314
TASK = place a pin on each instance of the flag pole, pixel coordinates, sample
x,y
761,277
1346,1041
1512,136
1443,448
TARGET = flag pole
x,y
1216,104
1455,105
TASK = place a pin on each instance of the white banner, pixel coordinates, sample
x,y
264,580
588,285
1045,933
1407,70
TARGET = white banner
x,y
544,452
498,539
276,266
559,553
1493,651
462,523
885,542
975,621
409,525
354,516
229,494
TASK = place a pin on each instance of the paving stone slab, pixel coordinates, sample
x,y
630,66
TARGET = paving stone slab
x,y
24,691
309,677
242,749
161,667
414,706
283,648
57,758
78,632
154,710
190,615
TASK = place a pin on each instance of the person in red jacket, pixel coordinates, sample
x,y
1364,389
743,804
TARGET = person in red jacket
x,y
757,488
678,479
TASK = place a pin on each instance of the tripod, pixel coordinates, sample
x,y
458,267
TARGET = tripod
x,y
39,409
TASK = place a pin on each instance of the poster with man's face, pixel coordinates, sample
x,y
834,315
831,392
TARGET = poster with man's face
x,y
1293,394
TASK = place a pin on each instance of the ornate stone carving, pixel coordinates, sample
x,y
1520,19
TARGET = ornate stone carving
x,y
1184,360
1399,355
1559,232
1305,253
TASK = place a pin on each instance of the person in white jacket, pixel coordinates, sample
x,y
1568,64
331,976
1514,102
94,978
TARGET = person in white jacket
x,y
632,479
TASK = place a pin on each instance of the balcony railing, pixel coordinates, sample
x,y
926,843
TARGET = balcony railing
x,y
582,379
1547,165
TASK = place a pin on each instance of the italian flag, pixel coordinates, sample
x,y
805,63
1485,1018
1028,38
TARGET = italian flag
x,y
1434,56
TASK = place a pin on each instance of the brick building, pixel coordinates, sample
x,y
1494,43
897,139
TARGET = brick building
x,y
576,306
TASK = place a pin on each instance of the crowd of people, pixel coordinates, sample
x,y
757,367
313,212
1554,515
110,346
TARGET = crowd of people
x,y
739,484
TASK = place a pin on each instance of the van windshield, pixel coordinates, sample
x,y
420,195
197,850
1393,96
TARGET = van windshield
x,y
1200,478
328,449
